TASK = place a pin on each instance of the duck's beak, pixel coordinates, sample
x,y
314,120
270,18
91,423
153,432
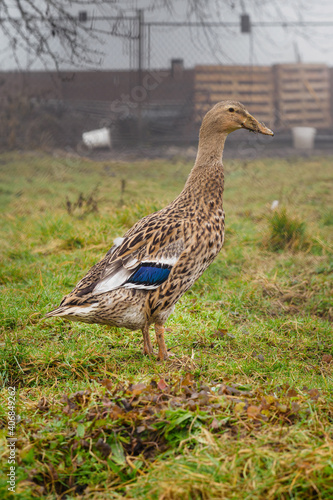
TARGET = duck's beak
x,y
250,123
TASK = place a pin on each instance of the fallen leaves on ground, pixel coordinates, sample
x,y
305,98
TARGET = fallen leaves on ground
x,y
126,426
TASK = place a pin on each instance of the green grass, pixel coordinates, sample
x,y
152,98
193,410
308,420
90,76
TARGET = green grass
x,y
286,232
243,410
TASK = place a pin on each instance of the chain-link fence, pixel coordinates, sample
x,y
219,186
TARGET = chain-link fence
x,y
164,78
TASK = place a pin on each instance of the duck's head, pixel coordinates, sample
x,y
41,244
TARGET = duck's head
x,y
227,116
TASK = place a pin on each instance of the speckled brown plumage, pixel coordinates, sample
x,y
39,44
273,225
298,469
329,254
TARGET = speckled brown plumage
x,y
145,273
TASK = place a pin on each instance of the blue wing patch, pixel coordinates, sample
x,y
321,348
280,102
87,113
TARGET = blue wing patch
x,y
149,275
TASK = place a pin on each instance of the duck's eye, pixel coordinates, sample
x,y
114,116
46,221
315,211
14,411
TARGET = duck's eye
x,y
231,110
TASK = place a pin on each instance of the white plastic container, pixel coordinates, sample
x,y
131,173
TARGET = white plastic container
x,y
100,138
303,137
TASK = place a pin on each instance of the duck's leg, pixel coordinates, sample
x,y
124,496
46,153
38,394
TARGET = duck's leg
x,y
162,350
147,347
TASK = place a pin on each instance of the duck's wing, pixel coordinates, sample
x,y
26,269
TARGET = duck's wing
x,y
142,259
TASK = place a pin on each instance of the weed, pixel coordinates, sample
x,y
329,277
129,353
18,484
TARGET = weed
x,y
286,232
84,205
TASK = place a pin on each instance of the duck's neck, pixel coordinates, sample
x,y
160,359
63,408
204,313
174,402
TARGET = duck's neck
x,y
206,180
210,148
208,163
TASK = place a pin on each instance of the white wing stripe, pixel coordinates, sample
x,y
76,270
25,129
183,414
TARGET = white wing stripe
x,y
170,261
120,277
112,282
118,241
141,287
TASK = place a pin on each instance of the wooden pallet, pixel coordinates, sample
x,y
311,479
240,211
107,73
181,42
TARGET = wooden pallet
x,y
302,95
251,85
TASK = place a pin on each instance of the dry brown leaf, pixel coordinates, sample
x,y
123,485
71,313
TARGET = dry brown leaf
x,y
162,385
220,333
107,383
215,424
281,407
187,380
295,407
291,393
115,412
314,394
239,407
43,404
137,389
103,448
253,412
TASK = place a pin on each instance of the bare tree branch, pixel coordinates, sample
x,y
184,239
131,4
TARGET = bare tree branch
x,y
50,30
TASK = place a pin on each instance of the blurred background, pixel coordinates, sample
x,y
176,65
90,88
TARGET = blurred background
x,y
139,75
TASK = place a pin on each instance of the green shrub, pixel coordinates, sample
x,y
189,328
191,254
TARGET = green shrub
x,y
286,232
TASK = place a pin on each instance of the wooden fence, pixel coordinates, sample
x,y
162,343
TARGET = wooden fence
x,y
252,85
284,96
302,95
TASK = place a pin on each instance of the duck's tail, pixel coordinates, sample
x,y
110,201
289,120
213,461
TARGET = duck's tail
x,y
58,311
84,312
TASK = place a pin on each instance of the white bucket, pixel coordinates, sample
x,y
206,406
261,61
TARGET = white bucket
x,y
303,137
100,138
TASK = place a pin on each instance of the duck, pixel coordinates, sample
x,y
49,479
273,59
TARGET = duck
x,y
145,272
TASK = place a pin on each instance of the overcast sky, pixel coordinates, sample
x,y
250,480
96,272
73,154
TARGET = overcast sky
x,y
266,45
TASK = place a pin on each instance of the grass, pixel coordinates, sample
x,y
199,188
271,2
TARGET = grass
x,y
243,410
286,232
